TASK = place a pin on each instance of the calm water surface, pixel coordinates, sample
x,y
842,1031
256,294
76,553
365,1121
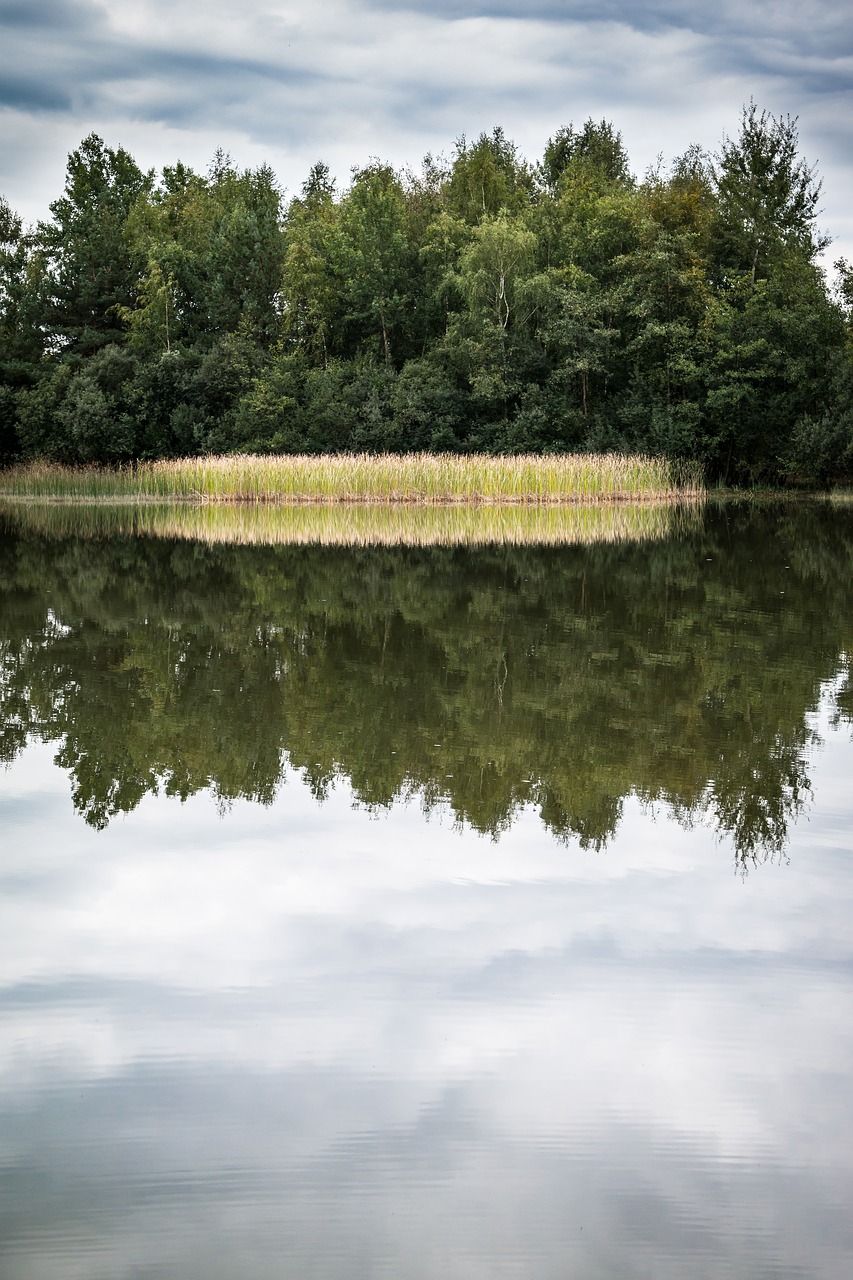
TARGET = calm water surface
x,y
428,912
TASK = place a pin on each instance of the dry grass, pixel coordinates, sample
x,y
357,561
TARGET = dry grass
x,y
358,525
386,478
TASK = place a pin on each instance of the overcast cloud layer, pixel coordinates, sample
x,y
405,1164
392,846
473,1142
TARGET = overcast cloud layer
x,y
288,82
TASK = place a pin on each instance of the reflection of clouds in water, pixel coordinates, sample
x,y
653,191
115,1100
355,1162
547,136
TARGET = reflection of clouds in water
x,y
176,894
304,1031
292,1187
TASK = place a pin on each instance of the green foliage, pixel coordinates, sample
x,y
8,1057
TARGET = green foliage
x,y
427,408
481,304
772,348
372,258
311,300
211,251
22,338
596,150
269,416
487,176
90,269
767,195
821,448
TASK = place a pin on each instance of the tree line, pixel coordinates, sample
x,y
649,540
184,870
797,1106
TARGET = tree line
x,y
483,303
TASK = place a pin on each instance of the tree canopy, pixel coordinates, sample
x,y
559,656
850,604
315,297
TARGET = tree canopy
x,y
482,303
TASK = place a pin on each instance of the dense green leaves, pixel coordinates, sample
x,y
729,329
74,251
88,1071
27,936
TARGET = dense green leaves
x,y
595,149
482,304
767,194
90,269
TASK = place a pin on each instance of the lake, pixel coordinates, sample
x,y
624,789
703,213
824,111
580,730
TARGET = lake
x,y
467,908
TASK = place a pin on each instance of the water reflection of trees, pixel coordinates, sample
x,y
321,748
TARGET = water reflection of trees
x,y
682,672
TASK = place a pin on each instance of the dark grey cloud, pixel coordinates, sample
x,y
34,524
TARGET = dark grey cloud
x,y
813,29
47,72
58,55
77,17
23,93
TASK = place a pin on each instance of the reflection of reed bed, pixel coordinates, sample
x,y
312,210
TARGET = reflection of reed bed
x,y
357,525
386,478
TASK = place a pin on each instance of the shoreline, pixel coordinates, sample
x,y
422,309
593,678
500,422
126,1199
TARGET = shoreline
x,y
358,502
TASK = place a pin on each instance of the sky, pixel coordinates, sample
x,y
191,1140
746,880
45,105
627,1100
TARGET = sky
x,y
288,82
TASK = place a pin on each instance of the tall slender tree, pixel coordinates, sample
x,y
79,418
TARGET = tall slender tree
x,y
768,195
91,272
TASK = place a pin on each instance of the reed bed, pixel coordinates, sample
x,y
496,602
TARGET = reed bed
x,y
385,478
357,524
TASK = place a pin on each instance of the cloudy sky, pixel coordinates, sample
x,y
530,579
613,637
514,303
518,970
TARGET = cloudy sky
x,y
286,81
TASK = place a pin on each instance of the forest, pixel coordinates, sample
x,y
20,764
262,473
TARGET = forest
x,y
483,303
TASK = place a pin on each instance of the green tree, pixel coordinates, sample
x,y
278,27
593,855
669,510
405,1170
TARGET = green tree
x,y
210,251
91,270
581,340
311,289
770,346
595,151
503,291
768,196
375,261
487,176
665,305
21,337
444,240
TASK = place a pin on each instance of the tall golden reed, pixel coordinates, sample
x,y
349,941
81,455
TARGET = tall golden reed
x,y
367,478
